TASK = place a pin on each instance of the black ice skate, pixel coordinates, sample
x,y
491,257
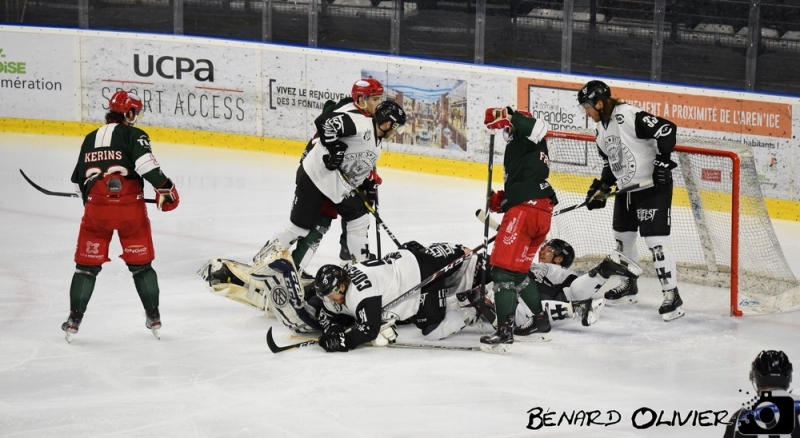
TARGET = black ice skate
x,y
534,329
671,307
153,321
71,325
344,256
588,310
624,293
500,341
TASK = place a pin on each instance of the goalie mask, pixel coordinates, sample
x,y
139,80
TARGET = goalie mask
x,y
123,102
771,369
593,92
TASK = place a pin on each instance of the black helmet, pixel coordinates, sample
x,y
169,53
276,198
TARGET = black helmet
x,y
390,111
563,249
328,278
593,92
771,369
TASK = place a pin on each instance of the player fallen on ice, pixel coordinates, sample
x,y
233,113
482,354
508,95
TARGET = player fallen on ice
x,y
565,293
357,299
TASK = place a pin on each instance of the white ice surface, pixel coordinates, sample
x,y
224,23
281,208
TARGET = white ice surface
x,y
211,374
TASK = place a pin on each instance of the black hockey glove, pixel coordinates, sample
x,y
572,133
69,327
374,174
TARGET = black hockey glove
x,y
662,171
370,190
335,155
334,341
596,196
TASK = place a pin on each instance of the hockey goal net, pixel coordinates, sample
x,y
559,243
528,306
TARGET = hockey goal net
x,y
721,233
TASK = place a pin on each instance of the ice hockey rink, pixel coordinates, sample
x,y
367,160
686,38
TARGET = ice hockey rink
x,y
211,374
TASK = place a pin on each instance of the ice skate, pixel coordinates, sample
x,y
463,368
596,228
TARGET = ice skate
x,y
617,263
270,251
624,293
500,341
344,256
215,271
71,325
534,329
153,322
588,310
671,308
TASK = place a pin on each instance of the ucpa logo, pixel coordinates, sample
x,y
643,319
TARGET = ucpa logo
x,y
169,67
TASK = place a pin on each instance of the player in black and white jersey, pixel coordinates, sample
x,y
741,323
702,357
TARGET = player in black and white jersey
x,y
347,150
567,294
357,298
636,148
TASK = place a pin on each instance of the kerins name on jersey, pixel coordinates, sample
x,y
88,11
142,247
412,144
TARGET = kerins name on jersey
x,y
91,157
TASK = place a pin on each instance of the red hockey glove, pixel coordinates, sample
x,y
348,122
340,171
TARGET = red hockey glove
x,y
496,201
498,118
167,196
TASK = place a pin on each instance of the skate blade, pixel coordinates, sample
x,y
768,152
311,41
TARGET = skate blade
x,y
156,333
675,314
68,337
621,302
496,348
533,338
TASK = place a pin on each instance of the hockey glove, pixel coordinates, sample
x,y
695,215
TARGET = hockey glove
x,y
387,335
596,196
498,118
370,187
662,171
335,156
334,341
167,196
496,201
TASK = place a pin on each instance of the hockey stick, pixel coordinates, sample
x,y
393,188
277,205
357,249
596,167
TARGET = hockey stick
x,y
483,217
642,185
452,265
378,219
485,260
407,345
64,194
378,231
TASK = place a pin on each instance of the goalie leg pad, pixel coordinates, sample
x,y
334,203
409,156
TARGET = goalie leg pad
x,y
285,297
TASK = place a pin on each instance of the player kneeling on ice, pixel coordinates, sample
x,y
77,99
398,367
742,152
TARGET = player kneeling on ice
x,y
564,293
362,302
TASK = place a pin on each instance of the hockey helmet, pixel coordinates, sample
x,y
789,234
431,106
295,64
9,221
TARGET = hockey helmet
x,y
771,369
328,278
365,88
390,111
564,250
122,102
593,92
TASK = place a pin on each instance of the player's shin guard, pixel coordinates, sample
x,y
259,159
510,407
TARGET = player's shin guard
x,y
146,282
82,286
307,246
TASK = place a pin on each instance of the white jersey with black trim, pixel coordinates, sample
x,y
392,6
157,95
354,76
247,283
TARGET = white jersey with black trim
x,y
629,157
389,278
346,124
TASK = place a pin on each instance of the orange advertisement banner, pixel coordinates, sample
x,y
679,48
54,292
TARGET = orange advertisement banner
x,y
688,110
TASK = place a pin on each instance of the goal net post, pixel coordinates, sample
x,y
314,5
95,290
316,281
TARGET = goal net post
x,y
721,234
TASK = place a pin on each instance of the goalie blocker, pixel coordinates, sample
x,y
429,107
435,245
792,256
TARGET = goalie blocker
x,y
272,285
